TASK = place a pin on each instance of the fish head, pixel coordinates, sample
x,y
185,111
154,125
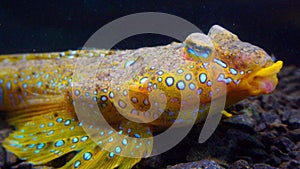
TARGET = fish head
x,y
246,69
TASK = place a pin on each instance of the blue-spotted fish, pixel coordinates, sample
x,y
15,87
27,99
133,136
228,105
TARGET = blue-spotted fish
x,y
41,95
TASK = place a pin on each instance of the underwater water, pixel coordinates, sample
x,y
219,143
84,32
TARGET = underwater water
x,y
264,130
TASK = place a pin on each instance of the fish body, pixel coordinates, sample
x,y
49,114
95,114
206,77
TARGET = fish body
x,y
48,97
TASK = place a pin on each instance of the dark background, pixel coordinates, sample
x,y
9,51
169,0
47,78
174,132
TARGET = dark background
x,y
44,26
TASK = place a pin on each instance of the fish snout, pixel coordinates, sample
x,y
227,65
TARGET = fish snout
x,y
263,81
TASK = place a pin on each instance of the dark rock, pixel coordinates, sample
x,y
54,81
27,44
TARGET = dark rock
x,y
154,162
242,119
286,144
260,127
263,166
245,138
293,164
269,136
23,165
294,134
240,164
11,158
294,120
204,164
257,154
280,154
275,161
4,133
271,118
295,155
2,157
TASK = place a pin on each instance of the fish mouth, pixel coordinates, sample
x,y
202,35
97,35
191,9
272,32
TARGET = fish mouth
x,y
262,81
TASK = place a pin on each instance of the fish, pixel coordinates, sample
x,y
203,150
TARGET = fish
x,y
100,108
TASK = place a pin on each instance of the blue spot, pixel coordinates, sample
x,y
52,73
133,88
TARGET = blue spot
x,y
103,98
180,85
202,77
28,77
50,124
111,154
129,130
171,113
137,135
77,92
75,140
67,122
160,72
1,81
19,136
72,128
42,125
50,132
143,80
24,85
179,71
188,77
110,139
129,63
118,149
46,76
124,142
59,143
31,145
192,86
110,132
209,83
169,81
77,164
36,151
8,85
59,120
84,138
120,132
80,124
87,156
233,71
40,146
22,131
39,84
111,94
101,133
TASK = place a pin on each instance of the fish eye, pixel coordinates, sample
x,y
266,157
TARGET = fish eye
x,y
199,52
198,46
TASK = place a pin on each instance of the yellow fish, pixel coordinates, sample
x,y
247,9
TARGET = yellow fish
x,y
45,96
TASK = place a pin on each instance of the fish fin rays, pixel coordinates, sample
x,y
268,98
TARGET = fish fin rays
x,y
57,133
